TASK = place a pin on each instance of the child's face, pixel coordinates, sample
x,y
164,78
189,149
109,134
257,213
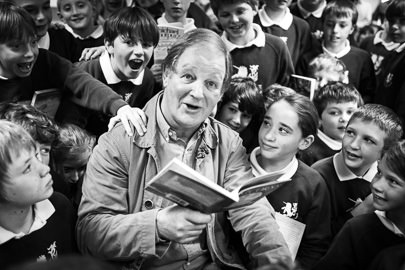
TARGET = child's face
x,y
277,4
362,145
73,169
335,117
78,14
112,5
40,11
236,20
231,116
388,190
17,59
324,76
44,150
29,180
396,29
312,4
128,58
176,9
280,137
336,30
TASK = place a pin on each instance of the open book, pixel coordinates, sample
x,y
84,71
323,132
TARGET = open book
x,y
303,85
292,231
168,35
47,101
186,187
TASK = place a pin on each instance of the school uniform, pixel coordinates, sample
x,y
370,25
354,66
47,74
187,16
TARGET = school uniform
x,y
313,18
187,26
265,59
345,188
95,39
61,42
305,199
294,31
51,234
360,241
322,147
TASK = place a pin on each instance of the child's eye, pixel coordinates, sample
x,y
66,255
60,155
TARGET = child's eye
x,y
266,123
27,170
349,132
223,14
334,113
393,182
232,110
66,8
147,44
283,131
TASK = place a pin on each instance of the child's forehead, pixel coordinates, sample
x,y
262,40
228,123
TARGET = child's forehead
x,y
347,17
341,104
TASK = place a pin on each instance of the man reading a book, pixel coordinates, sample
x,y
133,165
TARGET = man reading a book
x,y
121,222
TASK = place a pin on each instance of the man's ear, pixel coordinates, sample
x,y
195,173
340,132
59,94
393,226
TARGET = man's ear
x,y
306,142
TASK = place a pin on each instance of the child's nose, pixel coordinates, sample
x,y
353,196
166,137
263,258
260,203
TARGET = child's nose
x,y
138,49
40,15
234,18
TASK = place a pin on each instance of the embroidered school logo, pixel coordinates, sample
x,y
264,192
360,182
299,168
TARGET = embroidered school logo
x,y
290,210
52,251
127,96
243,71
388,80
284,39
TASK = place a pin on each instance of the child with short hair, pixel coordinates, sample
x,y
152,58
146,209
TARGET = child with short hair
x,y
363,237
254,53
241,108
339,20
274,92
176,15
335,103
130,37
36,224
290,125
371,130
311,12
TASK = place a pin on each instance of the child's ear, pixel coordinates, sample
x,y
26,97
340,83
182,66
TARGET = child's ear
x,y
109,46
306,142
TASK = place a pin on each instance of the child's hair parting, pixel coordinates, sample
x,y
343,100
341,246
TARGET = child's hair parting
x,y
385,118
71,141
133,23
244,92
336,92
342,9
274,92
37,123
16,24
328,63
307,115
395,10
395,158
217,4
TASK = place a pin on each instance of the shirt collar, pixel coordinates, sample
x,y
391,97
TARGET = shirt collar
x,y
400,48
340,54
44,42
266,21
109,73
188,26
258,41
43,210
98,32
388,223
331,143
387,45
317,13
345,174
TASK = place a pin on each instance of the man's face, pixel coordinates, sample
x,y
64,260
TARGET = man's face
x,y
193,89
78,14
176,9
40,11
336,30
17,58
129,58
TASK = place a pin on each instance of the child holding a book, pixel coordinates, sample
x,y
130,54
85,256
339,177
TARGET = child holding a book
x,y
335,103
175,15
363,237
290,125
371,129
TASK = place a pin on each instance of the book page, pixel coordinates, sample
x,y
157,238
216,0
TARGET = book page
x,y
303,85
168,35
292,232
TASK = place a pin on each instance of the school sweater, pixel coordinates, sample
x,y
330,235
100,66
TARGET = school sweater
x,y
52,71
358,243
95,39
64,44
315,23
358,63
316,151
341,193
305,198
56,238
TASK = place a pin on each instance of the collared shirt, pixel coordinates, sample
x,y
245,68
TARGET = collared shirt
x,y
288,171
388,223
109,73
98,32
266,21
258,41
400,48
44,42
345,174
43,210
331,143
340,54
188,26
389,46
317,13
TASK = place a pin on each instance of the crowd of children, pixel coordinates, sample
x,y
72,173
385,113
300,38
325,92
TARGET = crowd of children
x,y
342,149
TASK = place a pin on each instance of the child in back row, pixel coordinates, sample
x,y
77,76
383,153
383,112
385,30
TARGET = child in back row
x,y
362,238
255,54
335,103
290,125
370,131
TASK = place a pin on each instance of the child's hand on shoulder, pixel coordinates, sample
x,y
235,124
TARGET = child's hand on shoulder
x,y
363,207
130,117
91,53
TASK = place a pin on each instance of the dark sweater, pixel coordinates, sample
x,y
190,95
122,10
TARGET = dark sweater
x,y
308,195
52,71
378,52
342,194
317,151
315,24
58,231
64,44
359,241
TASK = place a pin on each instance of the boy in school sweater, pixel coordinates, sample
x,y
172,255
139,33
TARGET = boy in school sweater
x,y
371,130
255,54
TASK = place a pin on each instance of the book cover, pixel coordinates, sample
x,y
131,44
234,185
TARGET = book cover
x,y
168,35
303,85
181,184
47,101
